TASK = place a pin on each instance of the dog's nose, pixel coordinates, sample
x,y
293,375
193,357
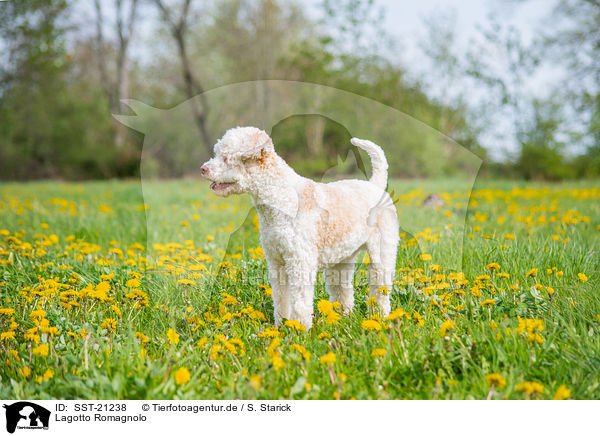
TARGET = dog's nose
x,y
204,170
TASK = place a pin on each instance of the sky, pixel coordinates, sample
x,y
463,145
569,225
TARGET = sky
x,y
404,19
404,22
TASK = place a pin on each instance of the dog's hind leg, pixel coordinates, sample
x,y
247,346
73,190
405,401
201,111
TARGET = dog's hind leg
x,y
382,248
339,283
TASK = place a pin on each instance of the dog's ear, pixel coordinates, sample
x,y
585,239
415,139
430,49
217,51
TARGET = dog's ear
x,y
256,153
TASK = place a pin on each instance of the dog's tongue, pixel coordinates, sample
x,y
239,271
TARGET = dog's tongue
x,y
218,186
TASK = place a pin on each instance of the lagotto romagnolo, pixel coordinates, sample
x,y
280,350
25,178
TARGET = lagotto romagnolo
x,y
306,226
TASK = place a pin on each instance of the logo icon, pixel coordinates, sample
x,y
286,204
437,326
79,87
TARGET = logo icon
x,y
26,415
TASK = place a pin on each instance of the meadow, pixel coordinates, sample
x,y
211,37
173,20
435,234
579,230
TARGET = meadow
x,y
106,293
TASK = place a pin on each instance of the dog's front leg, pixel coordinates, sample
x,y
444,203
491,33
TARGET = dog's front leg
x,y
301,287
281,296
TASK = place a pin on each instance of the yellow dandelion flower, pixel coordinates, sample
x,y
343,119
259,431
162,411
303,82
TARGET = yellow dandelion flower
x,y
332,318
276,342
48,374
142,354
495,380
488,302
418,319
530,388
324,307
255,381
378,352
37,314
446,327
370,325
172,336
202,342
7,336
116,309
32,337
372,302
397,314
582,277
228,300
562,393
182,376
41,350
277,362
328,359
532,273
384,290
295,325
142,337
270,333
109,324
133,283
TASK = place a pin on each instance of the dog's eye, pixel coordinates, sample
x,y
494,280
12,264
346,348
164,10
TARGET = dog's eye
x,y
225,160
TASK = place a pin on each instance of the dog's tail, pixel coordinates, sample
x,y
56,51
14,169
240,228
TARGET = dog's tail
x,y
378,161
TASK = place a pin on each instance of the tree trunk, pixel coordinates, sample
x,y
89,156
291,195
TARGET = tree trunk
x,y
191,88
191,84
315,128
119,86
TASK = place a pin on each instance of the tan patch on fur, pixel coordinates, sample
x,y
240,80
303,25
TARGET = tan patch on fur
x,y
337,220
308,201
264,159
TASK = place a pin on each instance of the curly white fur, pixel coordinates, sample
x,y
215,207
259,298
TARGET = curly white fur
x,y
307,226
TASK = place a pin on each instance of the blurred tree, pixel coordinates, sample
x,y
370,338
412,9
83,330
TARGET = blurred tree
x,y
115,85
178,24
43,125
495,73
575,43
541,155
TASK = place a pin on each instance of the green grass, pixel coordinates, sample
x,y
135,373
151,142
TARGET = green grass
x,y
556,229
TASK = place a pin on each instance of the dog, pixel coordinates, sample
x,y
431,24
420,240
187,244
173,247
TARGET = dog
x,y
306,226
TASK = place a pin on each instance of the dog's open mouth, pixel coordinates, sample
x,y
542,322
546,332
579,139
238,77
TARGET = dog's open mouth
x,y
220,186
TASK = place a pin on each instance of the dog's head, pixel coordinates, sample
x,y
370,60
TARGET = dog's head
x,y
240,155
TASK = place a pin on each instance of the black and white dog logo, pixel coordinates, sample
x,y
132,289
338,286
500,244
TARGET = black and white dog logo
x,y
26,415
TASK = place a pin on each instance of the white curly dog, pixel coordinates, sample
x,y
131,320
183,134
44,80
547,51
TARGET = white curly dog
x,y
307,226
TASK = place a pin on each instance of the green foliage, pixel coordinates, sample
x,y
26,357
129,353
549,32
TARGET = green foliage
x,y
54,125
